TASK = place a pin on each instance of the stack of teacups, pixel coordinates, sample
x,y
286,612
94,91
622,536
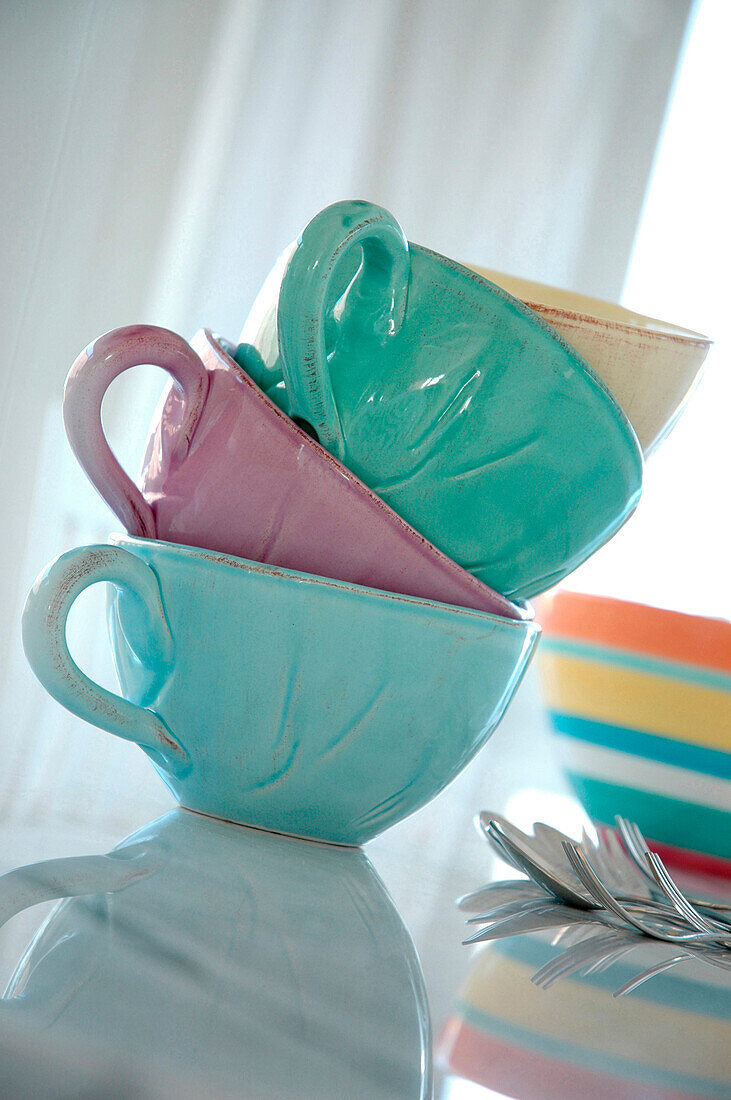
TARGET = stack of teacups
x,y
317,616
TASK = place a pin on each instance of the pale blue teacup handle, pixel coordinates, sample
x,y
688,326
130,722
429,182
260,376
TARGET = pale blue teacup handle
x,y
77,876
44,640
303,298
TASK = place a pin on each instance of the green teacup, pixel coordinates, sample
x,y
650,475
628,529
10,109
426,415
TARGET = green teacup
x,y
464,411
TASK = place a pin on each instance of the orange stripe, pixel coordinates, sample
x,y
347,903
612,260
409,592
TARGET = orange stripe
x,y
600,620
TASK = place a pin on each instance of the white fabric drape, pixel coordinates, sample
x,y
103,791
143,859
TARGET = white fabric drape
x,y
158,155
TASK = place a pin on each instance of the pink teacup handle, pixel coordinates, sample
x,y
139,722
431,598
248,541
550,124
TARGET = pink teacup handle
x,y
88,380
303,298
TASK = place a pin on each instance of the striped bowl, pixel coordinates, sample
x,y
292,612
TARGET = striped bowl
x,y
639,700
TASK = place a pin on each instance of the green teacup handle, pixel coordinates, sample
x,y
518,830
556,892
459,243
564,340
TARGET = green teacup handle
x,y
44,640
303,298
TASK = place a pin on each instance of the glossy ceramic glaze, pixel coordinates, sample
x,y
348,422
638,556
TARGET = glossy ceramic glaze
x,y
259,965
226,470
276,698
455,403
668,1039
640,703
650,366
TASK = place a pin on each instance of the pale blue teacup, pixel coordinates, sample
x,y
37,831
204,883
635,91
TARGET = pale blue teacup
x,y
275,698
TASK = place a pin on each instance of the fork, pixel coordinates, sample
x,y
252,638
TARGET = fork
x,y
602,896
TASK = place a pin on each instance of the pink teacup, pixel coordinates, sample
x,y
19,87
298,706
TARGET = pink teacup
x,y
226,470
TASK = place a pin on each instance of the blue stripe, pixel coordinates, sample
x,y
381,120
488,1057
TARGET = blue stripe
x,y
666,750
657,666
589,1058
687,825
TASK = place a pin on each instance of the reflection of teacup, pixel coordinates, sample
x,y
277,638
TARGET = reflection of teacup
x,y
275,698
651,367
252,964
225,470
456,403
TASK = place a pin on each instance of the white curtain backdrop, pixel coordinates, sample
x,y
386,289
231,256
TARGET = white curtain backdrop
x,y
157,157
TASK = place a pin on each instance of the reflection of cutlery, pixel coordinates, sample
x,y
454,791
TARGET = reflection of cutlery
x,y
538,920
590,956
591,941
499,893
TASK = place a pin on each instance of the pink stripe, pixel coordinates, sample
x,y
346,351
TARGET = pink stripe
x,y
515,1071
693,862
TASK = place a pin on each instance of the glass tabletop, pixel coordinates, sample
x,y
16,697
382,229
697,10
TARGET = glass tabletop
x,y
181,955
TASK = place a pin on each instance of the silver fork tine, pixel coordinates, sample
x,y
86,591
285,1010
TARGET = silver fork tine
x,y
675,895
498,893
625,865
713,957
660,877
605,963
594,885
658,897
597,889
591,951
509,909
547,917
601,856
552,972
717,907
716,957
640,842
562,889
580,930
609,958
636,855
617,875
640,979
636,847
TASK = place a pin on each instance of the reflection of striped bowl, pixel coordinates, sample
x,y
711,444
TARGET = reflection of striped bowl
x,y
668,1040
640,703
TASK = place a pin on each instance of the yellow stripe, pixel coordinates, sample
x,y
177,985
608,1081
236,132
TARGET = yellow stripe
x,y
637,700
629,1029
